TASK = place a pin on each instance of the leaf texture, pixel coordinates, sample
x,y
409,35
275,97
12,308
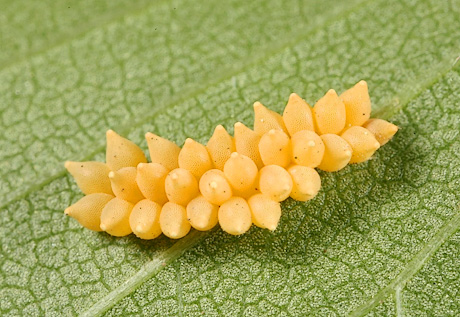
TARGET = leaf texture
x,y
381,238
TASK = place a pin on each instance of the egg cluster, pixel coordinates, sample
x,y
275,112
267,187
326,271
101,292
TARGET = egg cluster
x,y
234,181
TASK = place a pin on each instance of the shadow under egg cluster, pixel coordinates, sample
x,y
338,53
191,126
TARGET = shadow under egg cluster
x,y
234,181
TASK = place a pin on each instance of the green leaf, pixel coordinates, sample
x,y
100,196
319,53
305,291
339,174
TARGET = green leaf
x,y
381,238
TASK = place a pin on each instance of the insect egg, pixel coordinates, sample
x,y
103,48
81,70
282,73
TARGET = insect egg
x,y
214,187
144,219
275,148
357,104
181,186
297,115
124,184
122,152
115,217
201,214
362,142
195,158
247,143
275,182
91,177
151,181
266,119
381,129
235,216
306,182
162,151
87,211
329,113
173,221
241,173
266,213
337,153
220,146
307,148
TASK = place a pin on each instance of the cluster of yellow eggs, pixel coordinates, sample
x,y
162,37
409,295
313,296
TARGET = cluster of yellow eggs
x,y
234,181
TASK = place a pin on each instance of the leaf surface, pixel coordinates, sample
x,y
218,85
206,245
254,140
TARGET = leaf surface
x,y
381,238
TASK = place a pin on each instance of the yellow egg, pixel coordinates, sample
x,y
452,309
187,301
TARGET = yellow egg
x,y
275,182
266,213
181,186
275,148
87,211
357,104
241,172
145,219
124,184
122,152
266,119
173,221
247,143
151,181
381,129
220,146
115,217
235,216
91,177
329,114
163,151
337,153
195,158
201,214
306,182
362,142
297,115
215,187
307,148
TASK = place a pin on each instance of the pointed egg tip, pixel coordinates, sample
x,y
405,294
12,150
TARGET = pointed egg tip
x,y
110,132
271,132
140,166
148,135
376,145
68,211
103,227
213,185
111,174
174,176
362,83
189,141
234,155
219,128
331,92
67,164
293,95
238,124
347,153
394,128
257,105
311,143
